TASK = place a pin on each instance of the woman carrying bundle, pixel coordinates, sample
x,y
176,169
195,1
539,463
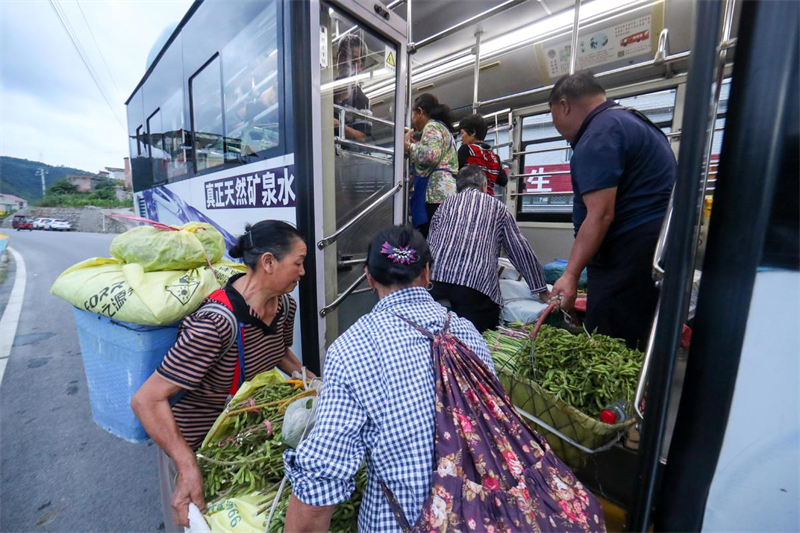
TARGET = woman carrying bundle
x,y
215,352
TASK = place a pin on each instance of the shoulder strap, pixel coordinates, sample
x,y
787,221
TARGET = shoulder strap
x,y
226,311
641,116
424,331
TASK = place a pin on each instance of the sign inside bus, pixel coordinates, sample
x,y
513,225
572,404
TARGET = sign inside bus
x,y
267,188
548,179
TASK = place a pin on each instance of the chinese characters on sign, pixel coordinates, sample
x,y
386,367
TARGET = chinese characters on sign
x,y
266,188
608,45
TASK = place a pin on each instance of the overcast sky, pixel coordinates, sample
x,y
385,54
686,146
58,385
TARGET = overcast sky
x,y
50,109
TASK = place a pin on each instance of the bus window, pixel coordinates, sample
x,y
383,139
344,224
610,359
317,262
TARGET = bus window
x,y
546,185
205,93
163,105
253,80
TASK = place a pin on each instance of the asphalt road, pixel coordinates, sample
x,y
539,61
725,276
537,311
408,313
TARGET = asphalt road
x,y
58,470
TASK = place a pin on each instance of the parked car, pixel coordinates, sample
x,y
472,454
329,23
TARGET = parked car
x,y
22,222
40,223
60,225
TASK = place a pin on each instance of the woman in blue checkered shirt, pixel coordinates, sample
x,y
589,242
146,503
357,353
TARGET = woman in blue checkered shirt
x,y
377,401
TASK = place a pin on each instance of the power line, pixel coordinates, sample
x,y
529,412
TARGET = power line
x,y
62,18
99,51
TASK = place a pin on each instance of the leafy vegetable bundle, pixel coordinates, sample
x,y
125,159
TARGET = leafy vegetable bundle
x,y
246,457
588,372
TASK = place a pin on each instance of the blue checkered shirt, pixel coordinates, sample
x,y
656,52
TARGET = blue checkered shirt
x,y
377,403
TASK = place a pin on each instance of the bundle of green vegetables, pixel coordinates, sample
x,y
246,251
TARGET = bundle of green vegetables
x,y
246,456
587,371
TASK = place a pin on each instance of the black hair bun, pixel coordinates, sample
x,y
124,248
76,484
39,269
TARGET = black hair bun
x,y
237,250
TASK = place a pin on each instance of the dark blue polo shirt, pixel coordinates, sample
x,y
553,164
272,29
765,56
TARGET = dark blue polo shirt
x,y
615,148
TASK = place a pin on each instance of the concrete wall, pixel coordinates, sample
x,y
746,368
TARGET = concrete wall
x,y
86,219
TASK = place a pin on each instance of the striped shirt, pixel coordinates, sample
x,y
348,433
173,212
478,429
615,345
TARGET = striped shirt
x,y
193,363
465,238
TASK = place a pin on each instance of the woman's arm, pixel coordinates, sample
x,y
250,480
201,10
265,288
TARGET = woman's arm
x,y
302,518
290,364
151,406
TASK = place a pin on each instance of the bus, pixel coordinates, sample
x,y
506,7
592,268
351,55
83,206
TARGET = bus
x,y
296,111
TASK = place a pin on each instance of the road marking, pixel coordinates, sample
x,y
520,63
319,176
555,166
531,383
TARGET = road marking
x,y
8,324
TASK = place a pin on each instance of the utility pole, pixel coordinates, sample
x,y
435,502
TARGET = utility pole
x,y
41,173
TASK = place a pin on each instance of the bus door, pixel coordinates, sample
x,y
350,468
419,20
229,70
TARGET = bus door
x,y
358,161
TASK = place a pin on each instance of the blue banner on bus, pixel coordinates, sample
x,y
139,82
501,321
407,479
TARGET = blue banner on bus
x,y
267,188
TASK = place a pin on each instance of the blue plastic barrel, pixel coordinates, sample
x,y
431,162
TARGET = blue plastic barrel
x,y
117,358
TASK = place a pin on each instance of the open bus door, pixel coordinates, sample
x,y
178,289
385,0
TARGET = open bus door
x,y
356,152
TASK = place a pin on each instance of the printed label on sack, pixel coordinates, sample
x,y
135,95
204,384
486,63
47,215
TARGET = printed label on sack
x,y
183,289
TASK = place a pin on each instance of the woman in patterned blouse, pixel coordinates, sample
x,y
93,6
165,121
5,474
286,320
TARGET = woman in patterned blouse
x,y
434,157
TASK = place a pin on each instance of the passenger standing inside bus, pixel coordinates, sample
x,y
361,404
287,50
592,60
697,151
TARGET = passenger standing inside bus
x,y
434,158
349,62
474,151
179,403
466,235
623,171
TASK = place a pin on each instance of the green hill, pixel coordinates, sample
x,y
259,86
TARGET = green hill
x,y
18,177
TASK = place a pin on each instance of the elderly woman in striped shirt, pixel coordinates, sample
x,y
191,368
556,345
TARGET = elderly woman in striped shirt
x,y
215,351
465,237
377,402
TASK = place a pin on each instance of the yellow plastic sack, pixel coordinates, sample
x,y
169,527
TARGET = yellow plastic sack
x,y
157,250
128,293
237,515
219,430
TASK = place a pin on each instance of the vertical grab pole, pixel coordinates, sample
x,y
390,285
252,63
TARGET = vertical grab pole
x,y
477,74
573,56
410,49
720,76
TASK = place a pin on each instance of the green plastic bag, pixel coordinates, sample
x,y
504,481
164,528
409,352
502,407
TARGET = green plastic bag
x,y
194,245
129,294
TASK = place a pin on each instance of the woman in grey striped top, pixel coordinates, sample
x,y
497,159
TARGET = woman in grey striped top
x,y
465,237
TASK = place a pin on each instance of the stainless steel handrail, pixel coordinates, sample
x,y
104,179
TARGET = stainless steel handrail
x,y
339,299
542,150
533,174
351,262
573,52
508,4
358,113
372,147
669,59
543,193
327,241
648,355
678,133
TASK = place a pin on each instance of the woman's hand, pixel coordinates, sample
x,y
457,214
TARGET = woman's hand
x,y
408,139
189,489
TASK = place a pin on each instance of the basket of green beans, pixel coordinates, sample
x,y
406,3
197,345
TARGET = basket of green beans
x,y
566,384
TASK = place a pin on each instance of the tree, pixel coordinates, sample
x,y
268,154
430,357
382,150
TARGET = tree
x,y
62,187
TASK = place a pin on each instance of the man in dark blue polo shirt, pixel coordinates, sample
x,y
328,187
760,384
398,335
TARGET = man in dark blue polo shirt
x,y
623,170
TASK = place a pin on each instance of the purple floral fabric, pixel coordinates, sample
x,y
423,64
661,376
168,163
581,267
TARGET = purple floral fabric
x,y
494,473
